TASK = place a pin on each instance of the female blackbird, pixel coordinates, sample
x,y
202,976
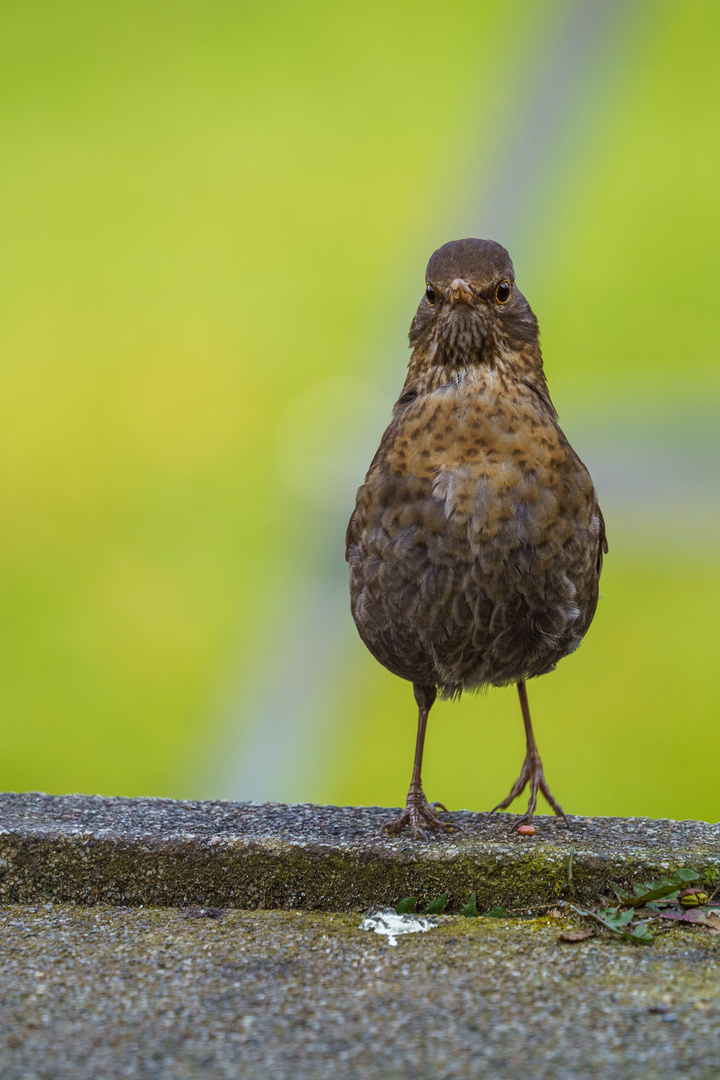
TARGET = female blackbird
x,y
476,543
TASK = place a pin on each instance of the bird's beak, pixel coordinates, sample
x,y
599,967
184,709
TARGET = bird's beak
x,y
461,292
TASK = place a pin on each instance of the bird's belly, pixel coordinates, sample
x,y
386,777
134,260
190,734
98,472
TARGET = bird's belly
x,y
481,578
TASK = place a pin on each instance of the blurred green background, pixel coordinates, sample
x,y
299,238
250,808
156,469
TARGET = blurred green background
x,y
215,219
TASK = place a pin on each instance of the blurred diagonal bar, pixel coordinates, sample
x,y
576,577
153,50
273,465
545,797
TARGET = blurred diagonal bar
x,y
571,62
278,752
275,754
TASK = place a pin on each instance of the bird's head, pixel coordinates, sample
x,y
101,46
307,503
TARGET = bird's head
x,y
472,311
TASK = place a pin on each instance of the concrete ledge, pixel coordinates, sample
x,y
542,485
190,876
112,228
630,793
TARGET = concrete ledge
x,y
161,994
89,849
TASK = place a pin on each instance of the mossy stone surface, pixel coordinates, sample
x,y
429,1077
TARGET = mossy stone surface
x,y
89,849
167,994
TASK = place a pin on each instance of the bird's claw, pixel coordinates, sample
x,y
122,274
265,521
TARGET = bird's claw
x,y
419,814
532,774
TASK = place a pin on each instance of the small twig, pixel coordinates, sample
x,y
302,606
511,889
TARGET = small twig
x,y
622,930
535,907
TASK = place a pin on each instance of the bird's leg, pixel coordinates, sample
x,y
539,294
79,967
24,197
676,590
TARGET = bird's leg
x,y
531,772
419,813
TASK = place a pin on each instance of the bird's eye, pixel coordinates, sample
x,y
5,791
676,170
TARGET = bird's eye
x,y
502,293
430,295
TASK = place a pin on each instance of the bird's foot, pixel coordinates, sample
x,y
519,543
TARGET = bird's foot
x,y
532,774
420,815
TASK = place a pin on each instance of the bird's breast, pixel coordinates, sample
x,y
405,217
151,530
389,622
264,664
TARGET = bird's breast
x,y
474,545
459,426
496,459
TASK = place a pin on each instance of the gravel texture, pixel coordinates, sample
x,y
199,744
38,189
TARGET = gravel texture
x,y
202,988
165,994
247,855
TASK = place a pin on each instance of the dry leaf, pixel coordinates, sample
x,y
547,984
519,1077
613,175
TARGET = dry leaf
x,y
711,922
576,935
681,914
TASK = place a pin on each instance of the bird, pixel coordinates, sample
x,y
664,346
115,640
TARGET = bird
x,y
476,544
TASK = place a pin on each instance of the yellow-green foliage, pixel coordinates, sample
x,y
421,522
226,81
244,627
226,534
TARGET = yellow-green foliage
x,y
207,210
